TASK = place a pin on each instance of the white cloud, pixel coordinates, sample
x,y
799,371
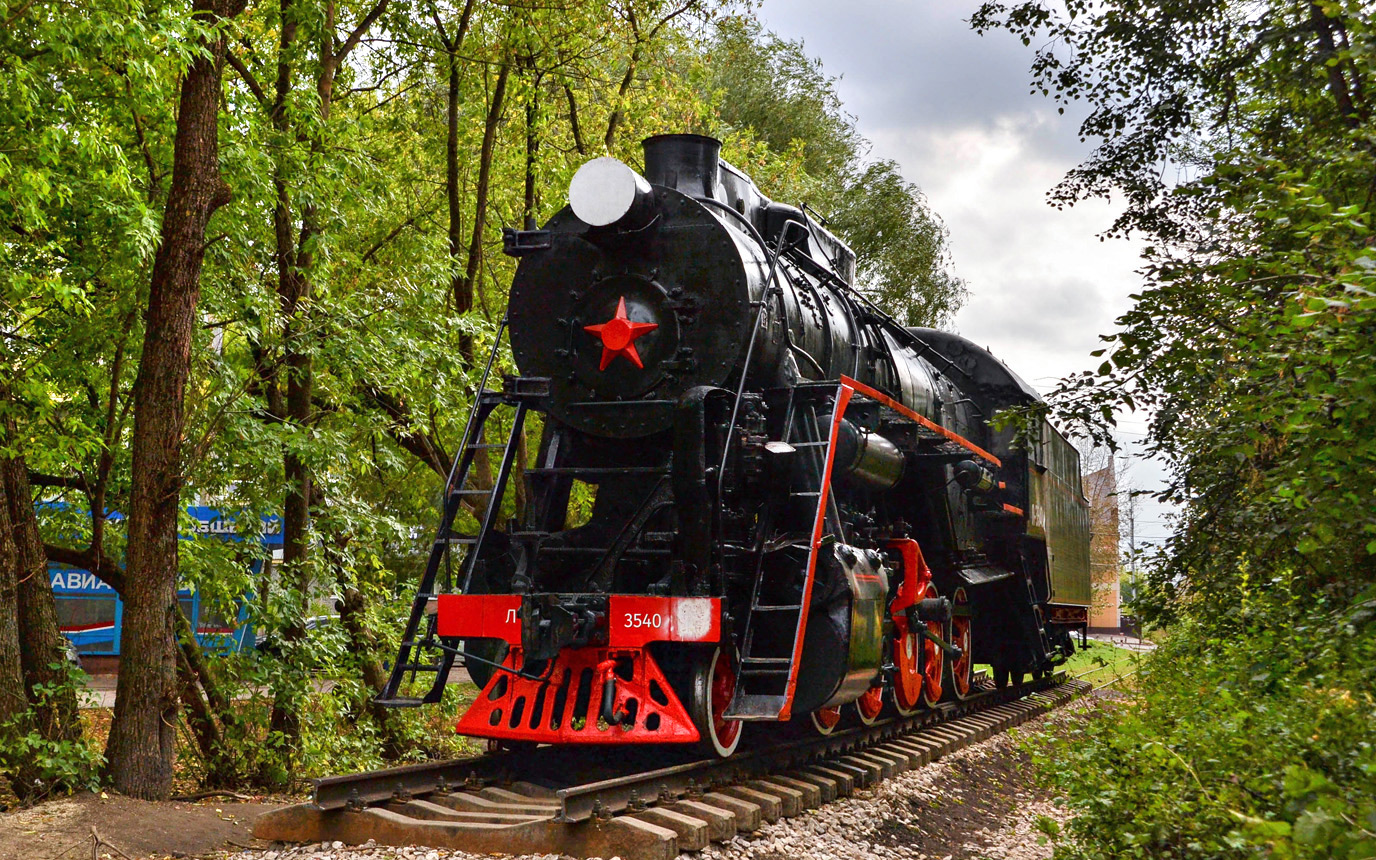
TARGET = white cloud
x,y
953,110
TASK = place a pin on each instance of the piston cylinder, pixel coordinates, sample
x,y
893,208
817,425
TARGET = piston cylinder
x,y
864,457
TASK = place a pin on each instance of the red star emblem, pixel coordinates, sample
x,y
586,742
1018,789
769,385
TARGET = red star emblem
x,y
618,336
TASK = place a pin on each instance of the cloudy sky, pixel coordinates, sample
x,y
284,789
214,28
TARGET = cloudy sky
x,y
953,109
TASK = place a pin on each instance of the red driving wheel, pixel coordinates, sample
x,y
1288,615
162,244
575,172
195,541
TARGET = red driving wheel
x,y
714,685
870,704
825,720
961,638
907,661
932,656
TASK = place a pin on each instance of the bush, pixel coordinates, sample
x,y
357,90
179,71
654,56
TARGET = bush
x,y
54,765
1263,742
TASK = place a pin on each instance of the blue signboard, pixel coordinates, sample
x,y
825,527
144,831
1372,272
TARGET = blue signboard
x,y
89,612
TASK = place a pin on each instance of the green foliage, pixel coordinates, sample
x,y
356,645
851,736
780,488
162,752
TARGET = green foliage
x,y
1251,345
783,120
1231,746
63,765
770,86
1099,663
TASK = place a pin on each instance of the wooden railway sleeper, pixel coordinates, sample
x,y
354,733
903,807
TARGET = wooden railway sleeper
x,y
656,822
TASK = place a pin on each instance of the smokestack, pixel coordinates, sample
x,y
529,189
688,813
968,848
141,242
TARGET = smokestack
x,y
688,163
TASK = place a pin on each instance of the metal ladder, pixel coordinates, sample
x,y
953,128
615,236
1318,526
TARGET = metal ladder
x,y
415,645
764,681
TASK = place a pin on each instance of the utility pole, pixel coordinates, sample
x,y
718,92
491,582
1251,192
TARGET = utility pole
x,y
1126,491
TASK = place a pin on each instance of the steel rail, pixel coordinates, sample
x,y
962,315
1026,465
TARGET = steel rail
x,y
579,803
582,801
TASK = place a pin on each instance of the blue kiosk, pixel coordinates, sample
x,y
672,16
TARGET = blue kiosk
x,y
89,612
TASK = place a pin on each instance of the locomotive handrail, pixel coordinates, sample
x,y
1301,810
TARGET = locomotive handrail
x,y
473,409
894,325
750,348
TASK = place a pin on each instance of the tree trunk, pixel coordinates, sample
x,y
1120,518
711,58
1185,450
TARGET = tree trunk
x,y
15,719
353,613
573,122
284,726
294,290
614,121
208,714
531,200
1328,51
459,295
42,650
140,751
461,298
464,301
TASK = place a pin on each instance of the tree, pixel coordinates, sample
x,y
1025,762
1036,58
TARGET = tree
x,y
1251,345
14,706
767,92
142,736
42,650
1251,341
66,190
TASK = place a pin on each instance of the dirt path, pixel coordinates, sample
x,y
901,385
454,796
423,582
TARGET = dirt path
x,y
134,828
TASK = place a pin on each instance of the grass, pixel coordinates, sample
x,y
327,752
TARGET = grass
x,y
1100,662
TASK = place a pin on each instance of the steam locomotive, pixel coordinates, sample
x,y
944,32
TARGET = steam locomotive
x,y
756,497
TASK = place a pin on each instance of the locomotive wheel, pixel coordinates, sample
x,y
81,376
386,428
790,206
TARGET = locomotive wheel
x,y
870,705
933,660
958,671
713,686
907,677
825,720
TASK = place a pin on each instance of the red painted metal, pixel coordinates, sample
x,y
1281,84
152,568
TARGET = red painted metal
x,y
870,704
843,396
1013,510
909,647
486,616
916,575
618,336
962,638
907,661
931,656
564,707
723,690
826,719
875,394
635,620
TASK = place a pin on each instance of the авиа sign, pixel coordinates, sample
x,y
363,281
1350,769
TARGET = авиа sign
x,y
78,580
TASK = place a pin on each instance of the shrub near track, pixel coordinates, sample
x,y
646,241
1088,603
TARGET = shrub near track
x,y
1230,746
1240,138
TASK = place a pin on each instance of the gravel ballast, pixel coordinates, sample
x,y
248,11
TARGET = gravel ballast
x,y
979,802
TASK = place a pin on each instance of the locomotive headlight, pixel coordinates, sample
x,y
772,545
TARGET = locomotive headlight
x,y
605,193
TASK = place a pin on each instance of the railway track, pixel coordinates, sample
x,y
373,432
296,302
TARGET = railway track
x,y
643,805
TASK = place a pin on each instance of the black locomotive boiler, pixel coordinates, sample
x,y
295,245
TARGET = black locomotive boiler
x,y
798,506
